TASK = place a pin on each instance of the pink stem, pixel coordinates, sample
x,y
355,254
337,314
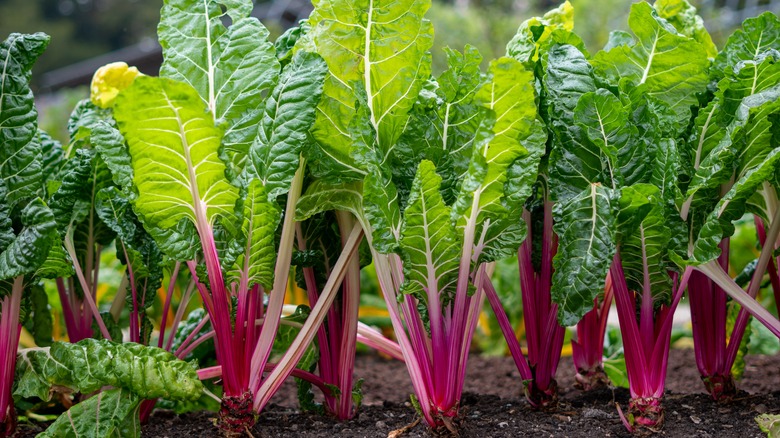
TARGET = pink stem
x,y
10,327
185,300
506,329
167,305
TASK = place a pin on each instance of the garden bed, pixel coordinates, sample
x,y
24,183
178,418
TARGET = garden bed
x,y
492,405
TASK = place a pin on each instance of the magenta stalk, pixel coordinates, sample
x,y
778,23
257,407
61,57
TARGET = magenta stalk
x,y
588,347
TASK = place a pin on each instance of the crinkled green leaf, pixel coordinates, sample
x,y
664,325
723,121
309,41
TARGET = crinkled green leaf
x,y
443,124
110,414
174,148
232,68
533,33
381,208
83,176
20,154
110,144
509,93
619,38
38,320
52,156
381,47
258,230
57,263
672,67
286,42
88,365
709,160
586,229
665,174
643,248
289,113
114,209
604,121
719,223
31,245
748,77
83,118
574,161
756,36
429,243
683,17
321,196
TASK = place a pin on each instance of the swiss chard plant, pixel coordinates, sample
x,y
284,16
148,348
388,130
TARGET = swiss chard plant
x,y
627,215
432,169
727,142
27,224
544,334
319,242
213,162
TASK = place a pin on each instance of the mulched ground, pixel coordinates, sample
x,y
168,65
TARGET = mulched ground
x,y
492,406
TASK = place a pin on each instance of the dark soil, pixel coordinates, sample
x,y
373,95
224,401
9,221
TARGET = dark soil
x,y
492,406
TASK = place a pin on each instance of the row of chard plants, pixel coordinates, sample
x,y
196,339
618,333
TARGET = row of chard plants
x,y
614,176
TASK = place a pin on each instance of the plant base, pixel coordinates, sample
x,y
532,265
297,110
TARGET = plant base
x,y
720,387
594,378
542,399
646,414
448,423
236,416
8,425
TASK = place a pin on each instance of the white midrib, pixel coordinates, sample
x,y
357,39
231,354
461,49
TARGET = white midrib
x,y
199,208
701,137
594,216
5,68
446,126
210,71
367,68
432,280
606,146
650,59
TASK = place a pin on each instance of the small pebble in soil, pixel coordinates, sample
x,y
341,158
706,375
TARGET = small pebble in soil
x,y
380,424
695,419
503,424
595,413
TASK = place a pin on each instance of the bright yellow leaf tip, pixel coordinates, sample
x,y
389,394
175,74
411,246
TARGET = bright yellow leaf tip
x,y
109,80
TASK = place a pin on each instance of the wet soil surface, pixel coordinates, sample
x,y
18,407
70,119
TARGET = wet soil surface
x,y
493,407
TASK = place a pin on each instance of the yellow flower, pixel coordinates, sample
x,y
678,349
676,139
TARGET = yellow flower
x,y
109,80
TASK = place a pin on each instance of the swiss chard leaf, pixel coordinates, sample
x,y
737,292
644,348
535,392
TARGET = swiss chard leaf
x,y
429,244
232,68
174,147
88,365
756,36
289,113
363,41
111,414
20,161
586,229
672,66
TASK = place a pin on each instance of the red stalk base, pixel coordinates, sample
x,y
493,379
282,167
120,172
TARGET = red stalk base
x,y
448,423
236,416
721,387
646,415
590,379
8,424
542,399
